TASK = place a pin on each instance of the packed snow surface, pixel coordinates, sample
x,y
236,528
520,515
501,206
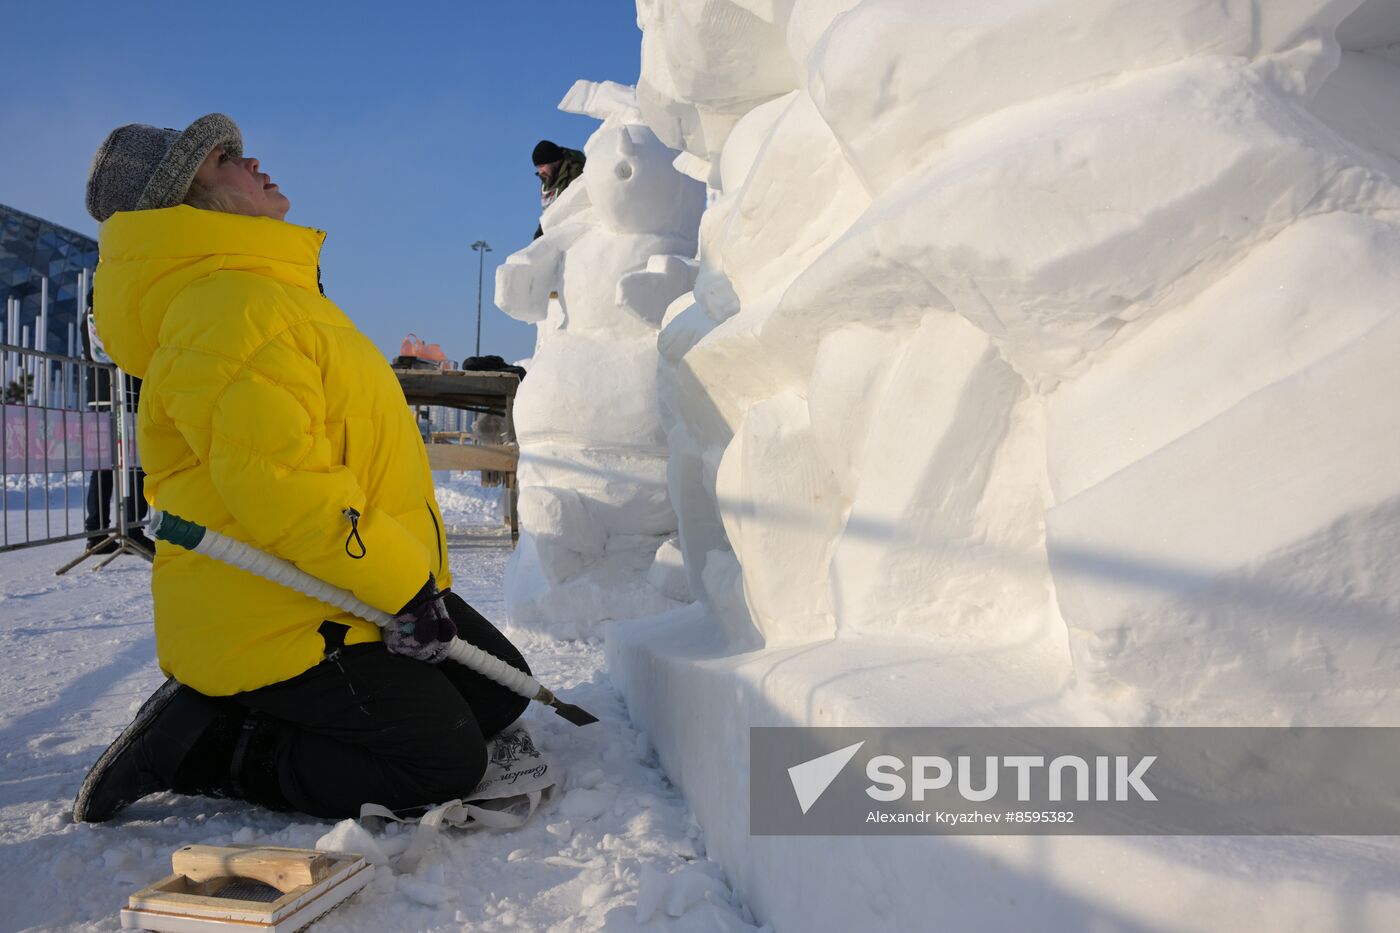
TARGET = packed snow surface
x,y
615,849
466,505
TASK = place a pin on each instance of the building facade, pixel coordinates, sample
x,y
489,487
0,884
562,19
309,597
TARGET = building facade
x,y
41,259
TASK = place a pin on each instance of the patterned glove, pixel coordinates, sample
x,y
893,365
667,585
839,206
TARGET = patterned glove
x,y
422,629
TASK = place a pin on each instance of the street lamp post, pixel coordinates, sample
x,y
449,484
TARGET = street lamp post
x,y
482,248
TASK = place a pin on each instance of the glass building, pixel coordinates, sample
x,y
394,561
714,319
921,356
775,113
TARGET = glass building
x,y
32,249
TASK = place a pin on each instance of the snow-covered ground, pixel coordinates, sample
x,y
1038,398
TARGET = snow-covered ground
x,y
616,850
467,506
66,494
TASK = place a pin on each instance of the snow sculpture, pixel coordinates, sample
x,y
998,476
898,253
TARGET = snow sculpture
x,y
1038,370
1083,348
593,502
705,63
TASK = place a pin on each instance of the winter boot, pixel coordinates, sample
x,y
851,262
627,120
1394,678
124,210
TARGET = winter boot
x,y
149,754
139,540
206,766
236,758
253,770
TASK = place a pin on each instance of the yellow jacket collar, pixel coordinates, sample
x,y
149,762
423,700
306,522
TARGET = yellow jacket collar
x,y
185,232
146,257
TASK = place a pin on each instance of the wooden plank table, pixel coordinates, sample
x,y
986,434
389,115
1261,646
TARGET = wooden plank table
x,y
491,393
498,458
488,393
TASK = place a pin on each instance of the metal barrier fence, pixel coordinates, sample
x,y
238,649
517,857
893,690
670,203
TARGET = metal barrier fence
x,y
67,438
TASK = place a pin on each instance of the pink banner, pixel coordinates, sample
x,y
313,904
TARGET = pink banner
x,y
52,440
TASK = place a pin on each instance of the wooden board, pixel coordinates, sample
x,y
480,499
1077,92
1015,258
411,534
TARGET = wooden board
x,y
483,391
179,903
283,869
498,457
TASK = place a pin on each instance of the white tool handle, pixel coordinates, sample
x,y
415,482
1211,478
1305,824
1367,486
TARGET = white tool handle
x,y
272,568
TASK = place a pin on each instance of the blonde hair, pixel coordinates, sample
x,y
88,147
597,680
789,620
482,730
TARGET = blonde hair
x,y
207,198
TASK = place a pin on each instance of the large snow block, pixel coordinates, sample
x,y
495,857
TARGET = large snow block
x,y
696,701
781,510
730,368
747,139
705,63
850,375
978,64
1310,291
1248,572
807,25
759,218
685,323
908,555
1062,224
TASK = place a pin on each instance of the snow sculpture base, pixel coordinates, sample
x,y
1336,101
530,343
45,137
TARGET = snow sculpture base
x,y
697,701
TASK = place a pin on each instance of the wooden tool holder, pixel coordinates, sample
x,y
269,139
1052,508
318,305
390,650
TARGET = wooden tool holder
x,y
264,888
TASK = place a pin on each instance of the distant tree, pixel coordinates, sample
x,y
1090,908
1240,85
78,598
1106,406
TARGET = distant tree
x,y
19,392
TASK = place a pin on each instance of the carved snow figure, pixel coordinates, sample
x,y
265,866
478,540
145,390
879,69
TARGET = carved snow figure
x,y
593,502
951,342
1039,370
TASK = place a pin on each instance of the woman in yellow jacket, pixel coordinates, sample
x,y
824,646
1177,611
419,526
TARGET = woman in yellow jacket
x,y
266,415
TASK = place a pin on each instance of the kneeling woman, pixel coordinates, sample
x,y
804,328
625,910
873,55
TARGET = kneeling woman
x,y
268,416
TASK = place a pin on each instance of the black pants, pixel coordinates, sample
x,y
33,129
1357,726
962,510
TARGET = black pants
x,y
367,726
99,499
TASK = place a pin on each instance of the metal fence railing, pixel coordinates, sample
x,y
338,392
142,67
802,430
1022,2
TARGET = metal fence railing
x,y
68,443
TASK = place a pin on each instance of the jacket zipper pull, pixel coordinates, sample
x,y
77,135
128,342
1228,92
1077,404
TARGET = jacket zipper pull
x,y
354,517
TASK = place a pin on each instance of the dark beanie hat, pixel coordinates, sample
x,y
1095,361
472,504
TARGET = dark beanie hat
x,y
546,153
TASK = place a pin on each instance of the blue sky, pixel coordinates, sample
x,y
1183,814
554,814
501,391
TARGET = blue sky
x,y
404,130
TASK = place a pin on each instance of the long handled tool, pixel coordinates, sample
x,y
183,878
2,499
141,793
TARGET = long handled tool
x,y
201,540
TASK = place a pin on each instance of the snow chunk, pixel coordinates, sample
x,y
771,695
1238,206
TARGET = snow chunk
x,y
425,892
583,803
350,836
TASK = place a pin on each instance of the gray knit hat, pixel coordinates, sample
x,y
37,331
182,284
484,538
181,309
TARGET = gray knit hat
x,y
140,167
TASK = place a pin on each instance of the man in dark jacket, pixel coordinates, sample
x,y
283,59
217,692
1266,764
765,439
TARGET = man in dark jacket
x,y
556,168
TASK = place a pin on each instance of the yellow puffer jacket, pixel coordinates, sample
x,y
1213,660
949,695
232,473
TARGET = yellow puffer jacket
x,y
265,415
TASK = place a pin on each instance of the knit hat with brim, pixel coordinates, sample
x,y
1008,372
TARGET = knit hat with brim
x,y
140,167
